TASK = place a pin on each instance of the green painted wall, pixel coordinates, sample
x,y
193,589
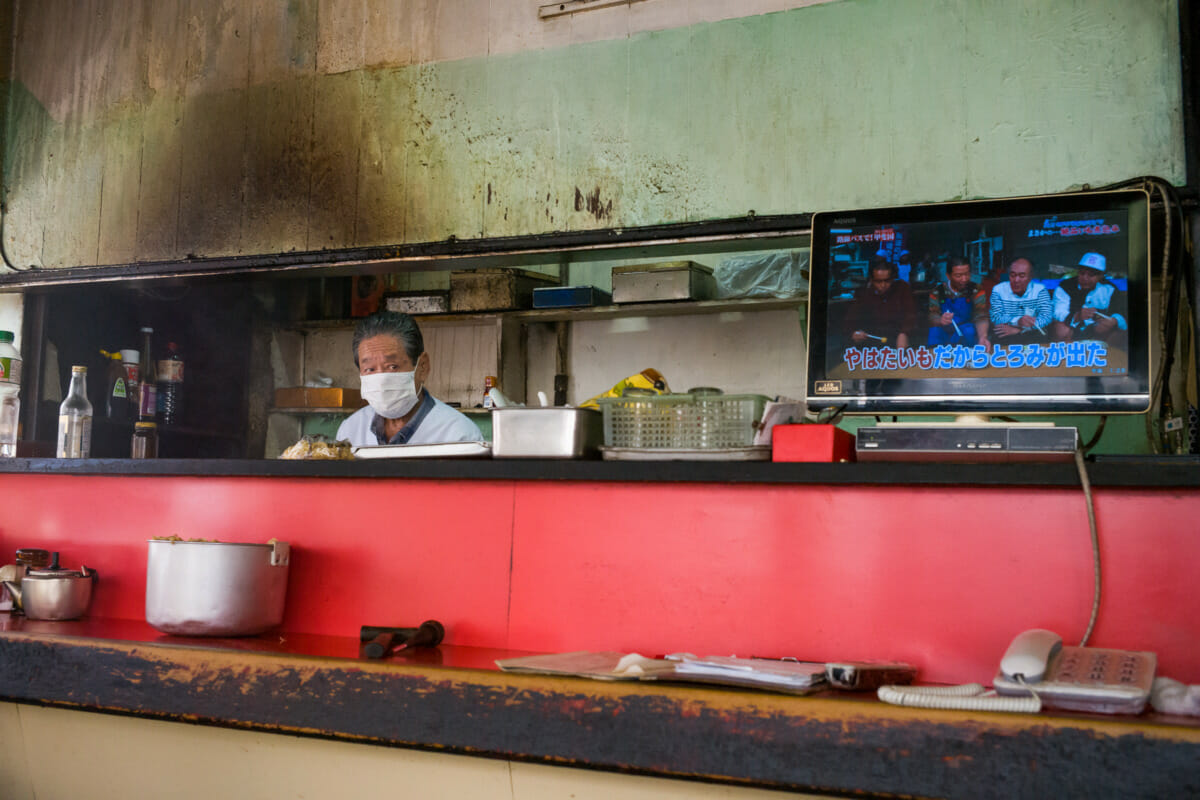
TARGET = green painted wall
x,y
229,141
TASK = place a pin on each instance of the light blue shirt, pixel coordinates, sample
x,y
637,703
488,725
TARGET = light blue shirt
x,y
441,424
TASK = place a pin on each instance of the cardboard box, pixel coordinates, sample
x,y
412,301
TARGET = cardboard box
x,y
495,288
311,397
811,442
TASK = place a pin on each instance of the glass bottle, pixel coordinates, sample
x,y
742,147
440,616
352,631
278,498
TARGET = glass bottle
x,y
145,440
147,381
170,386
75,418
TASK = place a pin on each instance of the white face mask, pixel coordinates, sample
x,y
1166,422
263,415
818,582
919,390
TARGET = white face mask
x,y
391,394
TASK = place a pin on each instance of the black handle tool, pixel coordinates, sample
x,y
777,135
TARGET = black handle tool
x,y
378,642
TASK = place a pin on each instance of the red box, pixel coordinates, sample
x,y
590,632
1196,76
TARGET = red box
x,y
811,442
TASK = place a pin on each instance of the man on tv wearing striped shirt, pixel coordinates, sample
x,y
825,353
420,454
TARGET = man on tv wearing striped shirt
x,y
1021,308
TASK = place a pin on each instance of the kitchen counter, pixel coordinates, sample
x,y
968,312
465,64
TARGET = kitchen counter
x,y
453,699
1117,471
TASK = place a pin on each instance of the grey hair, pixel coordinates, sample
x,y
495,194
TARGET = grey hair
x,y
401,327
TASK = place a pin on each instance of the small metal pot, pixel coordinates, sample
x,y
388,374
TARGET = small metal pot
x,y
216,588
53,593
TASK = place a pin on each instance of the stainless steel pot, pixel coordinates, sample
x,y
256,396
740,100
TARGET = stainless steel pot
x,y
53,593
216,588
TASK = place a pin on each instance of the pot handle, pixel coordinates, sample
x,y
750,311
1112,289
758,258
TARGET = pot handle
x,y
281,554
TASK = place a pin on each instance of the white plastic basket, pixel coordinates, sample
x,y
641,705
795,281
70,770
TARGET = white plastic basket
x,y
681,421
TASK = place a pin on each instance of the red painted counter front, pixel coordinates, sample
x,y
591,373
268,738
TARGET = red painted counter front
x,y
941,577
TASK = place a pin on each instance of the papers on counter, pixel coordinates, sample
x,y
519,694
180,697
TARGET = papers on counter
x,y
793,677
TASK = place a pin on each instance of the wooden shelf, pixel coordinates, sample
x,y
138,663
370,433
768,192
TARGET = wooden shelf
x,y
678,308
675,308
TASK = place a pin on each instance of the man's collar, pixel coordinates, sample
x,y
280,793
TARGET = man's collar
x,y
405,433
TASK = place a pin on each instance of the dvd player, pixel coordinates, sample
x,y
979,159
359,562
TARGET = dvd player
x,y
963,443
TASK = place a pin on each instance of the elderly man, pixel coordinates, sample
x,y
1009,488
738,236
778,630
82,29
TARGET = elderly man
x,y
1021,308
393,367
1089,305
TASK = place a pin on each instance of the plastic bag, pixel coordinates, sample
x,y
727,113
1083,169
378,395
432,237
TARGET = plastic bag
x,y
648,380
783,274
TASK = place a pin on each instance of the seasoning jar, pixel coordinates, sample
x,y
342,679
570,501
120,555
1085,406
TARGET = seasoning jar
x,y
145,440
33,558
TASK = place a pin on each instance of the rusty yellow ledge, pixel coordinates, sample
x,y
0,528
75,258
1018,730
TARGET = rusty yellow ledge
x,y
447,700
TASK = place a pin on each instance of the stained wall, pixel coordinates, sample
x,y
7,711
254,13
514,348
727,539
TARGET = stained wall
x,y
147,131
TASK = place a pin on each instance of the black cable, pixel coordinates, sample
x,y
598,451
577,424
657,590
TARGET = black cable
x,y
1087,448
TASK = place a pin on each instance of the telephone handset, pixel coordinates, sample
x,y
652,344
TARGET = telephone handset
x,y
1038,670
1075,678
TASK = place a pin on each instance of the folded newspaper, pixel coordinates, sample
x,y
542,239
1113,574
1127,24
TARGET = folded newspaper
x,y
794,677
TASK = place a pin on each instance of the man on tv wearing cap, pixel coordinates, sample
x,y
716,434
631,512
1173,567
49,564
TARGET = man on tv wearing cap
x,y
882,313
1021,308
1088,305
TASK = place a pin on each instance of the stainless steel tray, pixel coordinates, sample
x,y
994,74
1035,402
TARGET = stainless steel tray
x,y
755,453
546,432
442,450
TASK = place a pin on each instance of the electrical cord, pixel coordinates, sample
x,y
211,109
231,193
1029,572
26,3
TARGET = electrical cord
x,y
967,697
1091,443
1081,466
1162,407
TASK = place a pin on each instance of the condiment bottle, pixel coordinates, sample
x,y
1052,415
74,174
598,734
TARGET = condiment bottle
x,y
145,440
170,386
75,418
130,359
147,383
489,383
116,393
10,394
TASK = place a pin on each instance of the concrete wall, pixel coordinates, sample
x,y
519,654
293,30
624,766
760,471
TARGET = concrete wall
x,y
146,130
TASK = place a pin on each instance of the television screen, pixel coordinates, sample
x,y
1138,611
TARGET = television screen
x,y
1021,305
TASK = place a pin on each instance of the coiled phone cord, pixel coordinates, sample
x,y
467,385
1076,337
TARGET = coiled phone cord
x,y
967,697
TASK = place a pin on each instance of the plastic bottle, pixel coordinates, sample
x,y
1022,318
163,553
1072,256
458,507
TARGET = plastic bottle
x,y
75,418
116,390
130,360
170,386
10,394
147,384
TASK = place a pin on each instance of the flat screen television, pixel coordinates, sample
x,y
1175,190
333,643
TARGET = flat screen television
x,y
990,307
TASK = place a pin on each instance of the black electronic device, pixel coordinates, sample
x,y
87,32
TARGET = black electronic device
x,y
965,443
886,337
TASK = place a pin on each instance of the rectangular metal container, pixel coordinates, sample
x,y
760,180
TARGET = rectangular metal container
x,y
418,302
670,280
494,288
569,296
554,432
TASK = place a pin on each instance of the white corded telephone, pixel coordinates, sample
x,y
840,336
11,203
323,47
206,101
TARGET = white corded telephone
x,y
1038,670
